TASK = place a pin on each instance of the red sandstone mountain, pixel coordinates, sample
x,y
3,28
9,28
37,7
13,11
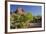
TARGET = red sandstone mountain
x,y
20,11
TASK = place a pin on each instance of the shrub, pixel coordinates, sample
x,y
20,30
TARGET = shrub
x,y
18,21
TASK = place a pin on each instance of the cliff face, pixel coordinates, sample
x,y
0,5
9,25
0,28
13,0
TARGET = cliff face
x,y
20,11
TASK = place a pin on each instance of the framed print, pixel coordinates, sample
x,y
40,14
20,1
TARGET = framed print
x,y
24,16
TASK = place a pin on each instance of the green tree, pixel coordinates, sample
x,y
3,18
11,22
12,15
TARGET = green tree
x,y
18,21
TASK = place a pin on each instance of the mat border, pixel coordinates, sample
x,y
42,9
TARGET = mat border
x,y
23,2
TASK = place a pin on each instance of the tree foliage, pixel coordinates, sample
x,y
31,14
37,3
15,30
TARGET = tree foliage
x,y
19,21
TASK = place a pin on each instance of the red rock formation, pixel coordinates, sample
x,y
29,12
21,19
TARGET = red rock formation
x,y
20,11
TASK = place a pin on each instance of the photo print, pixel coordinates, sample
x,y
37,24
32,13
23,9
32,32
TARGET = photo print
x,y
24,16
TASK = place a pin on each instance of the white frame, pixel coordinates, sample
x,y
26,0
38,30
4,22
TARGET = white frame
x,y
28,29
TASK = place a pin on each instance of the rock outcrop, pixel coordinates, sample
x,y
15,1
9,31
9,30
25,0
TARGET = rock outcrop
x,y
20,11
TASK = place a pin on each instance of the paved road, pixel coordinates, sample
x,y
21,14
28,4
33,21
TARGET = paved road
x,y
33,25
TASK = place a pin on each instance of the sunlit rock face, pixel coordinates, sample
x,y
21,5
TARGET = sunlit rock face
x,y
20,11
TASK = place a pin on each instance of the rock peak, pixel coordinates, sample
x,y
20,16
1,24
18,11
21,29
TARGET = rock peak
x,y
20,10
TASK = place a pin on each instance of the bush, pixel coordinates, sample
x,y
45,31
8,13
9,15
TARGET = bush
x,y
18,21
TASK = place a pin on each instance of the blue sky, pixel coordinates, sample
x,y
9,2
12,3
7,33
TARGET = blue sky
x,y
35,10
